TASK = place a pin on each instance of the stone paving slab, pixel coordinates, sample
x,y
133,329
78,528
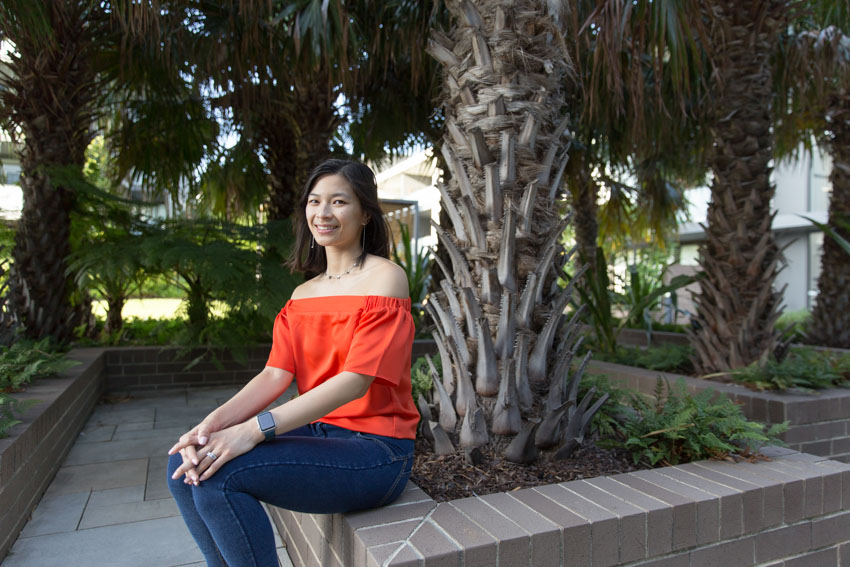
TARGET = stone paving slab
x,y
96,434
127,512
82,478
114,496
162,542
156,486
109,504
90,453
56,513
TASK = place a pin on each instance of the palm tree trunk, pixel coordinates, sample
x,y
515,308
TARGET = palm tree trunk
x,y
114,322
584,192
830,324
737,307
506,149
316,120
51,97
293,145
279,151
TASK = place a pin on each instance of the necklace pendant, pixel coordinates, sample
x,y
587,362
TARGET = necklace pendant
x,y
339,276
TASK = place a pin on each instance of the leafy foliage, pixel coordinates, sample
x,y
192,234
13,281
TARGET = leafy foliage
x,y
803,368
212,260
678,427
606,421
26,360
665,357
642,294
420,377
9,409
417,265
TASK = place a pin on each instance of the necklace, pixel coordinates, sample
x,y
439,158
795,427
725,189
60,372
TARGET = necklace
x,y
345,273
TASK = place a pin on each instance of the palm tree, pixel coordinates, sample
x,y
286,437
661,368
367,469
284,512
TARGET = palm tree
x,y
71,61
54,120
636,115
737,306
280,69
813,101
512,92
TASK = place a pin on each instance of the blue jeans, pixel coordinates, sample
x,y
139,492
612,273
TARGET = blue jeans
x,y
318,468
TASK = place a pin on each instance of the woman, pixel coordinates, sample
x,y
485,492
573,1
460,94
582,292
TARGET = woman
x,y
346,442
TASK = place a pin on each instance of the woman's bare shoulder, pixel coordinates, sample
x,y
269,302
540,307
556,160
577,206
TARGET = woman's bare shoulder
x,y
387,278
304,290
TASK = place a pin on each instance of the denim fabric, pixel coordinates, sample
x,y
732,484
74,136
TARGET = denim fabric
x,y
318,468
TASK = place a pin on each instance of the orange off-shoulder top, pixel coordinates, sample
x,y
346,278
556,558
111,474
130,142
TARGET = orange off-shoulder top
x,y
317,338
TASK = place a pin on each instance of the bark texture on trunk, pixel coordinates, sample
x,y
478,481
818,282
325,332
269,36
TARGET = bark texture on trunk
x,y
830,324
738,306
295,141
279,150
584,193
506,357
51,99
316,120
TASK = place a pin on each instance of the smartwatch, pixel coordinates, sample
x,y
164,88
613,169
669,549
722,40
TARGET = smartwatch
x,y
266,423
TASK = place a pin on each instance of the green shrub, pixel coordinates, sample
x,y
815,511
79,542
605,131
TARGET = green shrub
x,y
420,376
794,323
9,409
804,368
606,421
677,427
26,360
664,358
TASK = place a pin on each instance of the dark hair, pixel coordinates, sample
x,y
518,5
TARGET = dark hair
x,y
312,260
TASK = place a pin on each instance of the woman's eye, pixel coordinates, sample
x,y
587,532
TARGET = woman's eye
x,y
339,202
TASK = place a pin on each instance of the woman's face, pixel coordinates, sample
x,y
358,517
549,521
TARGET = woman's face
x,y
334,214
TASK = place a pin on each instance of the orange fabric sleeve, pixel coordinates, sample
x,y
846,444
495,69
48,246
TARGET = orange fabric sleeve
x,y
281,355
381,345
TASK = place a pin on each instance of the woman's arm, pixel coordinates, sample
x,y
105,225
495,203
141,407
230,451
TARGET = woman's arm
x,y
240,438
262,390
320,401
257,394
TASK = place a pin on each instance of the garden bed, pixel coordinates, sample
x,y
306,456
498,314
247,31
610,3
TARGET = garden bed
x,y
819,422
794,508
36,447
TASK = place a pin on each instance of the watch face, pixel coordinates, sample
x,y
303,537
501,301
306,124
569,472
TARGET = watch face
x,y
266,421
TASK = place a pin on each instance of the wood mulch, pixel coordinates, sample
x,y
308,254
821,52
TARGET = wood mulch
x,y
451,477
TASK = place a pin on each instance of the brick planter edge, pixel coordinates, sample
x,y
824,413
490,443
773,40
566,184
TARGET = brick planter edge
x,y
792,510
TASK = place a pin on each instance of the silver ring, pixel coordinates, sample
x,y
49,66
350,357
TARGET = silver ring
x,y
211,455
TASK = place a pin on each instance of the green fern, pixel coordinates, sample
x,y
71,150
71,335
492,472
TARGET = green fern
x,y
25,361
803,368
677,427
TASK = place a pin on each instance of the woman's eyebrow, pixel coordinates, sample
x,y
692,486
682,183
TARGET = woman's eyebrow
x,y
331,196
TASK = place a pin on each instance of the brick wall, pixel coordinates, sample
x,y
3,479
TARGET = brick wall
x,y
35,448
791,511
819,422
156,368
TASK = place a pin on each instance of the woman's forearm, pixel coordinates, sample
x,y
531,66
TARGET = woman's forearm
x,y
320,401
255,396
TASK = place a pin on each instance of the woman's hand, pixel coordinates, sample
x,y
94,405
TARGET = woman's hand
x,y
188,446
225,445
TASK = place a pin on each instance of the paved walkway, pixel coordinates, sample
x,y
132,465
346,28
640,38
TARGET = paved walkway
x,y
109,504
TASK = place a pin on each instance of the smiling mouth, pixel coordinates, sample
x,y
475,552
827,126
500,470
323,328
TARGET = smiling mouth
x,y
324,229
